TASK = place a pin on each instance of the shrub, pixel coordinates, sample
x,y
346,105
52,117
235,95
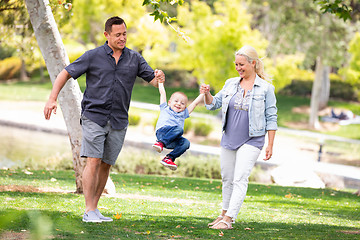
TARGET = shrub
x,y
10,68
133,161
187,125
134,120
202,129
284,70
338,89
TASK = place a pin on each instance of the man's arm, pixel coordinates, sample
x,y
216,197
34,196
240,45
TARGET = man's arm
x,y
197,100
59,83
162,93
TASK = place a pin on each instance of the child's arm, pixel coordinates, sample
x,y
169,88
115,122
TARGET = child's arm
x,y
162,93
197,100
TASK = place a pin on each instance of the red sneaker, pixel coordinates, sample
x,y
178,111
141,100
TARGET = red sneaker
x,y
167,162
158,146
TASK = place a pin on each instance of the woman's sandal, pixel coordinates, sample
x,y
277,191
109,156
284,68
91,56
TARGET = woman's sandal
x,y
227,225
220,217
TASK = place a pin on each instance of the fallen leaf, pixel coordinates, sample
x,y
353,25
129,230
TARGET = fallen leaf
x,y
178,226
248,229
221,234
288,195
118,216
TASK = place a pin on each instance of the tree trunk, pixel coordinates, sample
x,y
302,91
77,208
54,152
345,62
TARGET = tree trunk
x,y
23,75
325,88
315,95
53,51
54,54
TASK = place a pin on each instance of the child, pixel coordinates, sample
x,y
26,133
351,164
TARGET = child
x,y
170,125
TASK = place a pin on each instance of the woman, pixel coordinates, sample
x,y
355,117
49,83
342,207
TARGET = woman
x,y
248,112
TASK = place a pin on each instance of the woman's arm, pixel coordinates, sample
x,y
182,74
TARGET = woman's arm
x,y
269,148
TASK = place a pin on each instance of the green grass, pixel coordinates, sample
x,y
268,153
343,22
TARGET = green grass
x,y
158,207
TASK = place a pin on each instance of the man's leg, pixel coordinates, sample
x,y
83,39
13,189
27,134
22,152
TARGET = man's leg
x,y
90,181
103,175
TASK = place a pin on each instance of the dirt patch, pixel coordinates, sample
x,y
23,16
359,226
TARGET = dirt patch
x,y
20,188
325,126
32,189
10,235
157,199
356,232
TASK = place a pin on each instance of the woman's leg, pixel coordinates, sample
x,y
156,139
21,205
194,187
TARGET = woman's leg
x,y
227,164
246,157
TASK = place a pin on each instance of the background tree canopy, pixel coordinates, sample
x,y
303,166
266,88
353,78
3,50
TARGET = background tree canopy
x,y
290,35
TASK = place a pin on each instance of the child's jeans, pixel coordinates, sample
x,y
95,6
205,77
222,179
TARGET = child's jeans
x,y
171,137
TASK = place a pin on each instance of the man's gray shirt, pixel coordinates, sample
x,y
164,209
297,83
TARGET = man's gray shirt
x,y
109,85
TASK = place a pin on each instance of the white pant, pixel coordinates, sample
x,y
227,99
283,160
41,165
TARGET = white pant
x,y
236,166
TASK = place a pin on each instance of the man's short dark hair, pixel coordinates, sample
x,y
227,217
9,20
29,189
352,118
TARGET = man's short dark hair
x,y
113,21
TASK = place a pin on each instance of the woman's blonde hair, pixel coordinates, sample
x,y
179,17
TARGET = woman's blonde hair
x,y
251,55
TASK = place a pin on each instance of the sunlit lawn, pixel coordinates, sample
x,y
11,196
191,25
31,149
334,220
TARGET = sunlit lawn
x,y
157,207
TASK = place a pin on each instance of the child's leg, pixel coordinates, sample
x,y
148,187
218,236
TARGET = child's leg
x,y
180,145
168,134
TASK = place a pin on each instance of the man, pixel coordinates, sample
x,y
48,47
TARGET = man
x,y
110,70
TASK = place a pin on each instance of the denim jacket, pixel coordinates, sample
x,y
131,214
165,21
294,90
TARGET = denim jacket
x,y
262,107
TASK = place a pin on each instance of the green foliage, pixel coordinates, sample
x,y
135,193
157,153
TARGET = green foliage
x,y
134,120
352,72
187,125
339,89
337,7
200,167
75,49
132,161
10,68
202,129
322,35
157,11
284,70
215,35
6,52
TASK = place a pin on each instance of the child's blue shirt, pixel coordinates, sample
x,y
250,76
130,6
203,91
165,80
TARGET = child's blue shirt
x,y
170,118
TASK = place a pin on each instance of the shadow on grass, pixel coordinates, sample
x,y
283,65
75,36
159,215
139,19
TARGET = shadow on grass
x,y
66,225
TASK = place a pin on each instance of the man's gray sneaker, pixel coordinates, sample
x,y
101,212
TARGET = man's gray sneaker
x,y
91,216
103,218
